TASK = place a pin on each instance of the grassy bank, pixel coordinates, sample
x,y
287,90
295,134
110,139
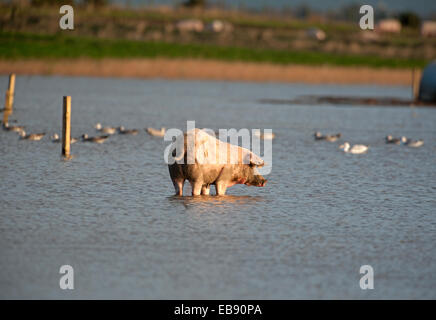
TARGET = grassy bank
x,y
15,46
200,69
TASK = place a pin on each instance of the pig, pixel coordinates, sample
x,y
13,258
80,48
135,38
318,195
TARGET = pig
x,y
207,169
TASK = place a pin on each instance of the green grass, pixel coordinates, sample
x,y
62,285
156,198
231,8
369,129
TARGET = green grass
x,y
22,46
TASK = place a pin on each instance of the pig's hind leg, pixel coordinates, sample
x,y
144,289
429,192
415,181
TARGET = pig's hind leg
x,y
178,186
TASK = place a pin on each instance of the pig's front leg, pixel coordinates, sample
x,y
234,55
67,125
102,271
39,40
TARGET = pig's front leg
x,y
196,187
205,190
221,187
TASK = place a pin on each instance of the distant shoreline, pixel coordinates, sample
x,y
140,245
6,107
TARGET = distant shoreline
x,y
202,69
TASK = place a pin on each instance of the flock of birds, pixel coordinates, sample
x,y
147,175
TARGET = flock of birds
x,y
361,148
106,133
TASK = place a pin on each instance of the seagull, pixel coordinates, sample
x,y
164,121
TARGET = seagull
x,y
32,136
413,143
106,130
329,138
390,139
318,136
123,130
333,138
356,149
7,127
55,138
99,139
155,132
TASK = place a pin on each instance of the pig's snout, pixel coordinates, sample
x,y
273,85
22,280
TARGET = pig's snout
x,y
259,182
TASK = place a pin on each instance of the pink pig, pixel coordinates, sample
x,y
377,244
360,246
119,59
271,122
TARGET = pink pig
x,y
237,165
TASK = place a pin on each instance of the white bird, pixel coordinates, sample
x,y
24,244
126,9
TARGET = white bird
x,y
32,136
356,149
8,127
391,139
99,139
123,130
155,132
107,130
412,143
328,137
55,138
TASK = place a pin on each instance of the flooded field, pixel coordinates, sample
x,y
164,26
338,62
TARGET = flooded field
x,y
111,214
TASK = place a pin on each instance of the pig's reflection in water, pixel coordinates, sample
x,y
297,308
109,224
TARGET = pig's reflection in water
x,y
210,202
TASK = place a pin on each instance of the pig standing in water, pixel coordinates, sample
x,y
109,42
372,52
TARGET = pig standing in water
x,y
239,167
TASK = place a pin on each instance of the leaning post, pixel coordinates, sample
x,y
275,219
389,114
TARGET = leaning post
x,y
9,99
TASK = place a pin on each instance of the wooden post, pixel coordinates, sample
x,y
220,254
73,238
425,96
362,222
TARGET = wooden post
x,y
66,126
9,99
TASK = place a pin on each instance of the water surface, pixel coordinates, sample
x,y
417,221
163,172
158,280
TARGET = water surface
x,y
110,212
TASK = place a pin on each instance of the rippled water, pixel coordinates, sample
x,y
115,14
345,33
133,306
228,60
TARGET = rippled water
x,y
110,212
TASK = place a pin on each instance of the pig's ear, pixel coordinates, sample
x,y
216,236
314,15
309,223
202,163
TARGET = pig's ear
x,y
256,160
